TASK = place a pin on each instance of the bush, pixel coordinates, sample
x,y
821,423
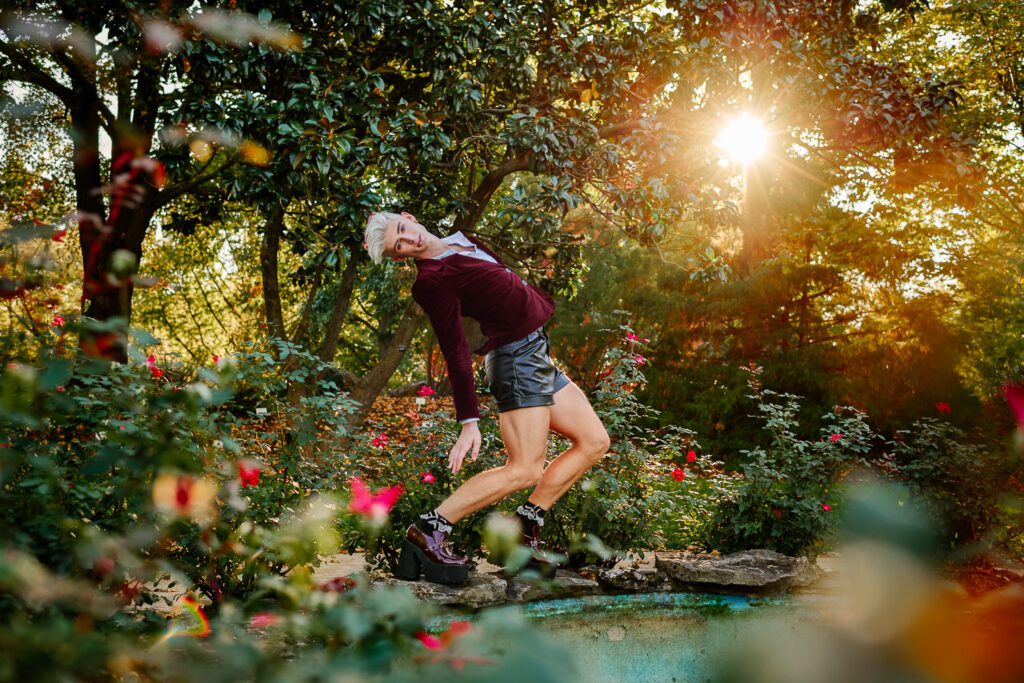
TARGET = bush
x,y
963,484
789,494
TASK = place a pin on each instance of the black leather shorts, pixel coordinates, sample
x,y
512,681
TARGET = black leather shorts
x,y
520,374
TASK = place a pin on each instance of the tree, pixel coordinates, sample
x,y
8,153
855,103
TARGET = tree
x,y
111,66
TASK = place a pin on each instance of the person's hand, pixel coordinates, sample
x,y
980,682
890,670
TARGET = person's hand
x,y
469,441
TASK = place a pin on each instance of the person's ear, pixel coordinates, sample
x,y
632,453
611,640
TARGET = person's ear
x,y
406,214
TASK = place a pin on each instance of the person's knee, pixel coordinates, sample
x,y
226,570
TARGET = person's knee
x,y
598,443
521,477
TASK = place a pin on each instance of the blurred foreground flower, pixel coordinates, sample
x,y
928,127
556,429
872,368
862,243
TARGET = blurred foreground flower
x,y
373,506
339,584
679,474
440,644
184,495
501,536
888,616
264,620
428,478
425,391
1014,394
248,473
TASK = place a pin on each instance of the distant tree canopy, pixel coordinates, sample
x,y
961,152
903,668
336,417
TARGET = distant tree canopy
x,y
575,136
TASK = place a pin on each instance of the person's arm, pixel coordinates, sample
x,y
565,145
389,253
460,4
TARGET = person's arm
x,y
445,312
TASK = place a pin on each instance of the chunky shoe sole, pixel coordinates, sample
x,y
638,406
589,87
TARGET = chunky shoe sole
x,y
413,560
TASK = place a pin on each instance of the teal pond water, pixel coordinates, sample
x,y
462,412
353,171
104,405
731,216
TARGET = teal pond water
x,y
658,637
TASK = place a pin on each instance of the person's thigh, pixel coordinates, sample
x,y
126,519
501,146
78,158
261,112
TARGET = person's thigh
x,y
525,433
572,416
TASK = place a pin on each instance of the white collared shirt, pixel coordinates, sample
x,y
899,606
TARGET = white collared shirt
x,y
459,240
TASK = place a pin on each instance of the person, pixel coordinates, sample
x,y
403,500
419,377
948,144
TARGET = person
x,y
460,276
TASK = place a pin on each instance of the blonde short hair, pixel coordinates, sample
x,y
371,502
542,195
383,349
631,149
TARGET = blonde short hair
x,y
373,235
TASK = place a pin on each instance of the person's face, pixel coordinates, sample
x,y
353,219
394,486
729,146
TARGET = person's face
x,y
405,238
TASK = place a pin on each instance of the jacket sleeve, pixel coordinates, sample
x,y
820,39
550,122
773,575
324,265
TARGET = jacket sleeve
x,y
445,312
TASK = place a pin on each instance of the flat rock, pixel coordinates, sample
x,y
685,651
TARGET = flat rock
x,y
634,579
480,590
749,570
566,584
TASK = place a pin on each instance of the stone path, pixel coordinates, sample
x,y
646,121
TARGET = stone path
x,y
757,572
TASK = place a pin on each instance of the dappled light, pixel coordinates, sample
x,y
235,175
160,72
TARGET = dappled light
x,y
512,341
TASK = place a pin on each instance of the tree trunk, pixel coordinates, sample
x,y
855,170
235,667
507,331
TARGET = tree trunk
x,y
329,346
268,270
391,354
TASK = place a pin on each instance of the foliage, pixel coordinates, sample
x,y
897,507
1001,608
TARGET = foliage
x,y
117,477
961,483
790,488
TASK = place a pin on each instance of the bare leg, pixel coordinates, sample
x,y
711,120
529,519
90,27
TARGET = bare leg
x,y
525,433
574,417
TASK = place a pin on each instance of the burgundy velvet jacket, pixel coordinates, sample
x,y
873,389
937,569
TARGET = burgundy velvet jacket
x,y
506,307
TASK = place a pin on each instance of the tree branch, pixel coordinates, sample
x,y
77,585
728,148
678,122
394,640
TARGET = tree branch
x,y
169,194
487,187
30,72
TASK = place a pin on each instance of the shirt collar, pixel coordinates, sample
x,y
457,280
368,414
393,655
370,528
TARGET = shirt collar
x,y
458,239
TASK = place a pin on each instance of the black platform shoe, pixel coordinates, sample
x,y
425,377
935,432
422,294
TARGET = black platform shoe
x,y
431,553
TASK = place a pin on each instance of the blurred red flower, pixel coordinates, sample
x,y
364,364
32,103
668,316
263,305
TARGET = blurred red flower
x,y
429,641
380,441
691,456
1014,394
943,407
835,437
248,474
428,478
425,391
58,321
679,474
826,507
374,506
153,369
263,620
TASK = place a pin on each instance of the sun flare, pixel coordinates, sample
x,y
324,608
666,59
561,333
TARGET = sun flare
x,y
743,139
